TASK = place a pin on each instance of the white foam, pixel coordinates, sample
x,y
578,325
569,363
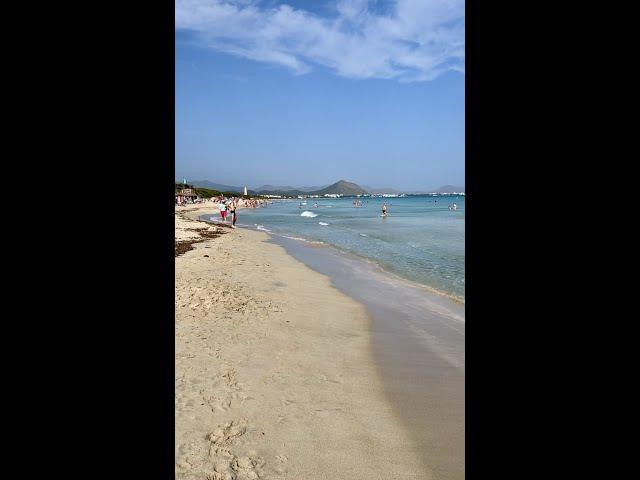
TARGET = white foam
x,y
295,238
307,213
261,228
322,223
364,235
305,240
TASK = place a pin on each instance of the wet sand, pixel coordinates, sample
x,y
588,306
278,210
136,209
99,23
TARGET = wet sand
x,y
418,347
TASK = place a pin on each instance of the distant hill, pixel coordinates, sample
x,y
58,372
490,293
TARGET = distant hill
x,y
341,187
449,189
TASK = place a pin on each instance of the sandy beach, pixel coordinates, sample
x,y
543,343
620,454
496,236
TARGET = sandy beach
x,y
275,375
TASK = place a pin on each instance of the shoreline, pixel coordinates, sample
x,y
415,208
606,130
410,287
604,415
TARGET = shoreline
x,y
428,288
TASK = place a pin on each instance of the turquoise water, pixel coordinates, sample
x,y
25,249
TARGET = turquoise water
x,y
421,239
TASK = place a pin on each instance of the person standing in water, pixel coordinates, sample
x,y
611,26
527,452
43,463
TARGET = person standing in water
x,y
384,209
223,210
233,215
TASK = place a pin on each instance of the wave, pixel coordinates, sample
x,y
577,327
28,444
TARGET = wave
x,y
305,240
322,223
307,213
262,229
295,238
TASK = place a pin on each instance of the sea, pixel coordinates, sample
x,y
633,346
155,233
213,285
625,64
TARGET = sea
x,y
421,239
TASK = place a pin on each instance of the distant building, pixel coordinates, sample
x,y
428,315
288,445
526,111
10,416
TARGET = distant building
x,y
186,195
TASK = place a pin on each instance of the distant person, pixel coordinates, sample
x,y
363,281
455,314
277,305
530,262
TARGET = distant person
x,y
233,214
384,209
223,210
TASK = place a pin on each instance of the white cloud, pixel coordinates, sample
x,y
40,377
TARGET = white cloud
x,y
416,40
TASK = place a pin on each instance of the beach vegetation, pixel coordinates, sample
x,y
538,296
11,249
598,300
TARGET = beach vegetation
x,y
209,192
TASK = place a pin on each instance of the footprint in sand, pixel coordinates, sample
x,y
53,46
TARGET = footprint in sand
x,y
230,377
218,404
242,468
247,467
228,433
228,466
192,455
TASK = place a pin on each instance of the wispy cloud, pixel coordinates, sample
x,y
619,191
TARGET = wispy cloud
x,y
412,40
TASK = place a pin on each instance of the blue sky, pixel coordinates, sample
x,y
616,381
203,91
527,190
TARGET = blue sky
x,y
306,93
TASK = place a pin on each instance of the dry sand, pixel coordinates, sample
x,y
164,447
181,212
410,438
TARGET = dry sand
x,y
275,376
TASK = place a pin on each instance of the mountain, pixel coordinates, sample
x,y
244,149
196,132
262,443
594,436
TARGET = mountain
x,y
449,189
341,187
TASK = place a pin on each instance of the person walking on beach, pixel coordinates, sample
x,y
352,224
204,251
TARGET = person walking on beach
x,y
223,210
233,214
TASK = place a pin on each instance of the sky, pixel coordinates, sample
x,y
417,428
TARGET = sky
x,y
305,93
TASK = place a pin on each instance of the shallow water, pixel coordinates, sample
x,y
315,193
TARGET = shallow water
x,y
421,239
